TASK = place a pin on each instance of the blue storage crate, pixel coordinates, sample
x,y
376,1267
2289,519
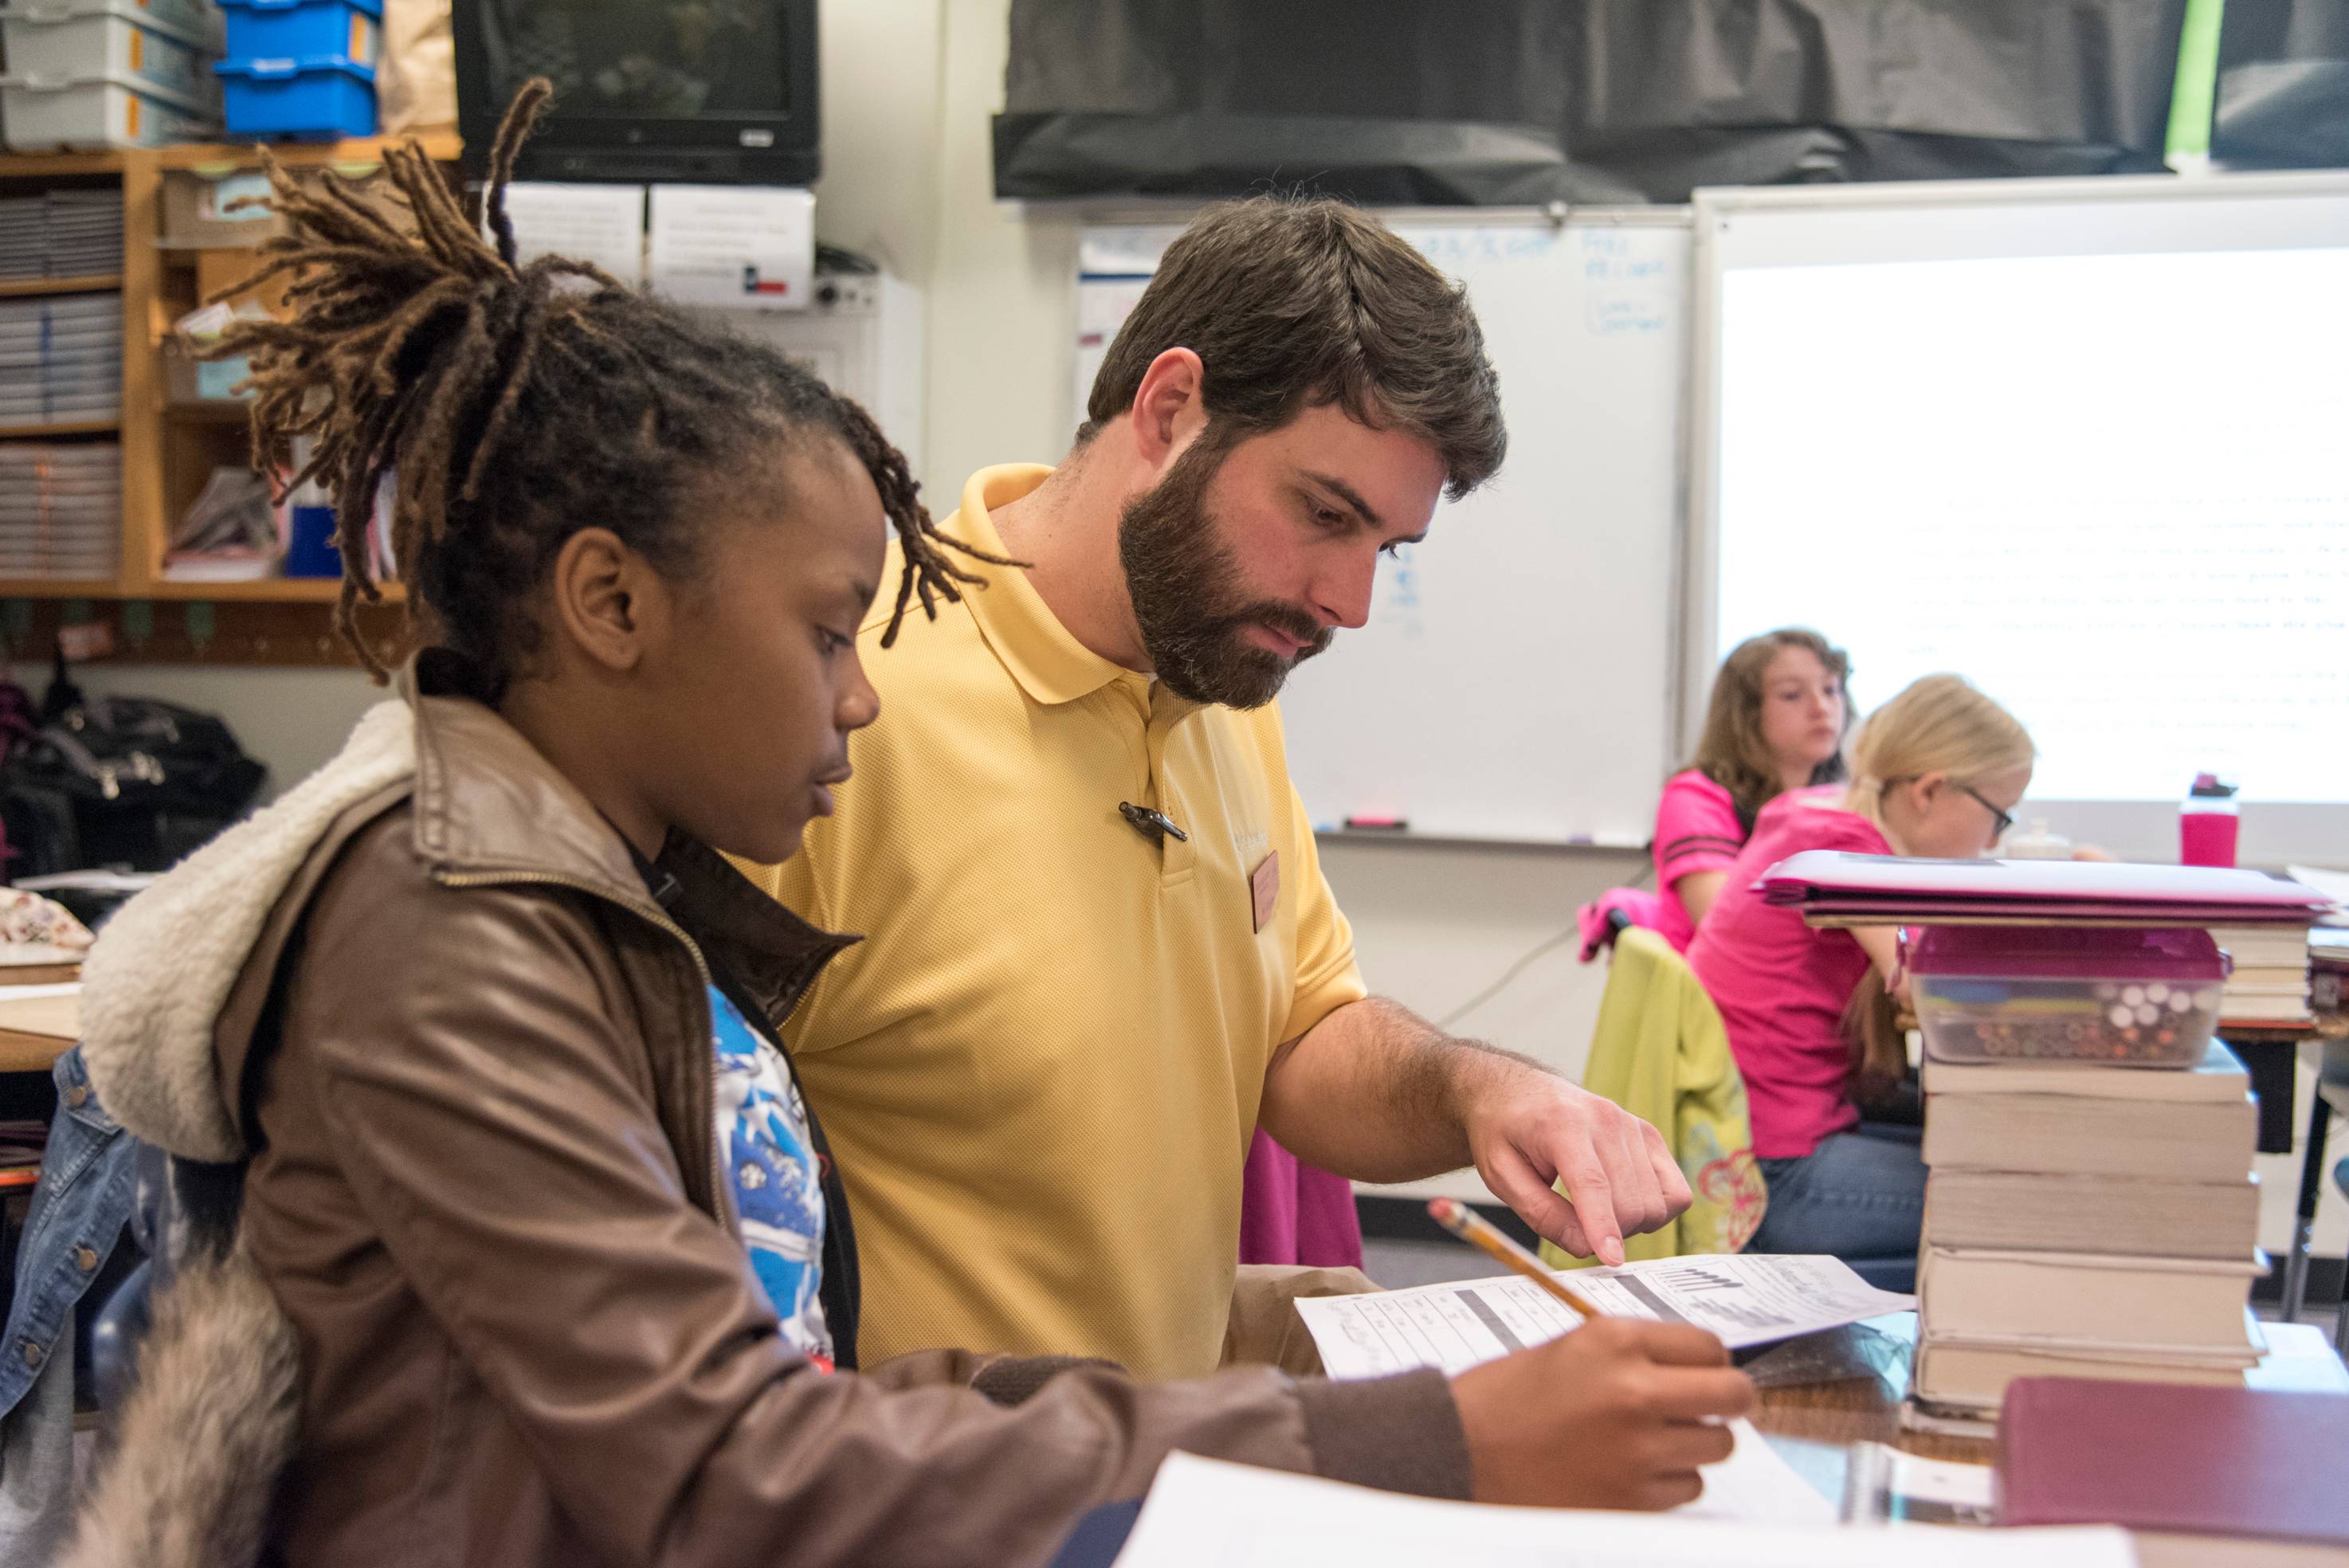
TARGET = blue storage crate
x,y
304,29
324,97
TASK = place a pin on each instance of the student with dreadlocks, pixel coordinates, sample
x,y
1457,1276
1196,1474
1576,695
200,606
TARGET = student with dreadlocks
x,y
499,1231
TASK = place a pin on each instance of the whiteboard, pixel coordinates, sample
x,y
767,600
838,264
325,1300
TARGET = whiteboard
x,y
2098,469
1515,680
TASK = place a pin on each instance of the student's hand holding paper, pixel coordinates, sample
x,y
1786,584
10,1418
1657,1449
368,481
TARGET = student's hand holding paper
x,y
1619,1414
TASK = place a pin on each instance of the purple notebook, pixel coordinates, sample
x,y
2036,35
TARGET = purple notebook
x,y
1827,882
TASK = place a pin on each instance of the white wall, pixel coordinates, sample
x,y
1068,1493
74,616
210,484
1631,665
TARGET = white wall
x,y
908,88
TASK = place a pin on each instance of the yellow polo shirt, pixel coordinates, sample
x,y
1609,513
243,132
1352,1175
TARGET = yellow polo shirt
x,y
1040,1072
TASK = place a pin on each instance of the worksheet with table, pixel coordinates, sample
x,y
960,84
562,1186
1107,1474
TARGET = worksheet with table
x,y
1745,1298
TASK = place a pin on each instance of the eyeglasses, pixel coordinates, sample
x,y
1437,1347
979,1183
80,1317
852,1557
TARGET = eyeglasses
x,y
2005,818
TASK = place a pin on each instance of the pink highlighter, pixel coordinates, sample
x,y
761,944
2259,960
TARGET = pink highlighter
x,y
2208,825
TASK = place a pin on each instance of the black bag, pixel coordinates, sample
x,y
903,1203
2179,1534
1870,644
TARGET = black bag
x,y
128,782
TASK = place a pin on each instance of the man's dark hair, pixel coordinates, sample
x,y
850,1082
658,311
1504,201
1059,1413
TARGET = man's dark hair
x,y
517,403
1294,302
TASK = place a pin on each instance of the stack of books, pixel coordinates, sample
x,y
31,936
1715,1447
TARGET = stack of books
x,y
2269,987
2085,1221
2328,969
2090,1208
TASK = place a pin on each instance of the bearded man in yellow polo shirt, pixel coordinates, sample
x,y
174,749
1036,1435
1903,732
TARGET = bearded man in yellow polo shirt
x,y
1100,952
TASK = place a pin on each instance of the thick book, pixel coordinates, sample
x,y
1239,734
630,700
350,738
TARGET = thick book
x,y
2153,1304
2218,1078
2208,1461
2074,1136
2127,1216
1972,1374
2261,946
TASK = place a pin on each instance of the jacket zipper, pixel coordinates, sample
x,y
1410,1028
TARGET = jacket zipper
x,y
652,914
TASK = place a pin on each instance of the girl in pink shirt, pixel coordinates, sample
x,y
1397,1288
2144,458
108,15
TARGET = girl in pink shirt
x,y
1936,773
1777,723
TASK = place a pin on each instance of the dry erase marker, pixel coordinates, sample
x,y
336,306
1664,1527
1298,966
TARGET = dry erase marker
x,y
1472,1228
1378,824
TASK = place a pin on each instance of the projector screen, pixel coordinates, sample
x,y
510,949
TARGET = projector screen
x,y
2085,442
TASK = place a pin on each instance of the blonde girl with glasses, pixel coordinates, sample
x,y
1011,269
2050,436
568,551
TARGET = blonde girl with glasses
x,y
1937,773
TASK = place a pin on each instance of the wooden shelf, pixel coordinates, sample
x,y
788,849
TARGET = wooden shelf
x,y
264,590
54,165
27,288
271,590
222,411
70,428
59,588
441,147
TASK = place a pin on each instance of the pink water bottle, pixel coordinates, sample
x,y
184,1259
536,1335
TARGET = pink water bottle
x,y
2206,824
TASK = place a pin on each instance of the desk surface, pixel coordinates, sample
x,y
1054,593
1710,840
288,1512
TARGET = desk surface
x,y
1812,1423
36,1030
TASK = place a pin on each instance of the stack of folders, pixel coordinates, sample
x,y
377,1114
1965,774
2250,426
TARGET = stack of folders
x,y
61,359
2085,1221
61,234
2271,978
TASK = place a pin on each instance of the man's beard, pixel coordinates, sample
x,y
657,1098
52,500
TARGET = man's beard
x,y
1187,600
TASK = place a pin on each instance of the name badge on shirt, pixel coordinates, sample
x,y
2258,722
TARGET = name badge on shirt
x,y
1264,887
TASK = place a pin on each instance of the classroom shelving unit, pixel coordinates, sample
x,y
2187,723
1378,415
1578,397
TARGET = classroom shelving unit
x,y
169,452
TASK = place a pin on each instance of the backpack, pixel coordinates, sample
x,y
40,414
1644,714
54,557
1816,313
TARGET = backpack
x,y
129,782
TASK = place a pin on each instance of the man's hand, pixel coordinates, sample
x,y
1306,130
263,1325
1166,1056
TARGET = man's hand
x,y
1529,1130
1375,1093
1618,1414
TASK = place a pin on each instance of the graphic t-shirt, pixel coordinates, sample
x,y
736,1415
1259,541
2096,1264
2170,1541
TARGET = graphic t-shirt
x,y
770,1165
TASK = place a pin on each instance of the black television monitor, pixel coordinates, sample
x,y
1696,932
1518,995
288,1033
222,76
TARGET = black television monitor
x,y
712,91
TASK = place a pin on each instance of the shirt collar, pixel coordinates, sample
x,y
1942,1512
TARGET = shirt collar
x,y
1051,665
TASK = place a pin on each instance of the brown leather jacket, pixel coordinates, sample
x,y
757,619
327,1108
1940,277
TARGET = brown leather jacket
x,y
466,1057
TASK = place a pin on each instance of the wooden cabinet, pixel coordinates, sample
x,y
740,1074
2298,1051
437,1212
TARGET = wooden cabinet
x,y
167,452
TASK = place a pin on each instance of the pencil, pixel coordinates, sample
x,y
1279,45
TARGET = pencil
x,y
1471,1227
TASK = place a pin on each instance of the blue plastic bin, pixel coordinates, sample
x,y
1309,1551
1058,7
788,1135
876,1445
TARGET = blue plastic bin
x,y
325,95
304,29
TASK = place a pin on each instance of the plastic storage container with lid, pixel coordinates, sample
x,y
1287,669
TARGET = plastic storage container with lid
x,y
324,98
103,109
301,68
302,30
2129,996
65,40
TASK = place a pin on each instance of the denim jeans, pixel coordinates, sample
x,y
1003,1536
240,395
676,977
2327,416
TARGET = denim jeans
x,y
88,1187
1858,1196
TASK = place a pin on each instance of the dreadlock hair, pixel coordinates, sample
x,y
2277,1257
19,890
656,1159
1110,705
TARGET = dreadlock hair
x,y
516,403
